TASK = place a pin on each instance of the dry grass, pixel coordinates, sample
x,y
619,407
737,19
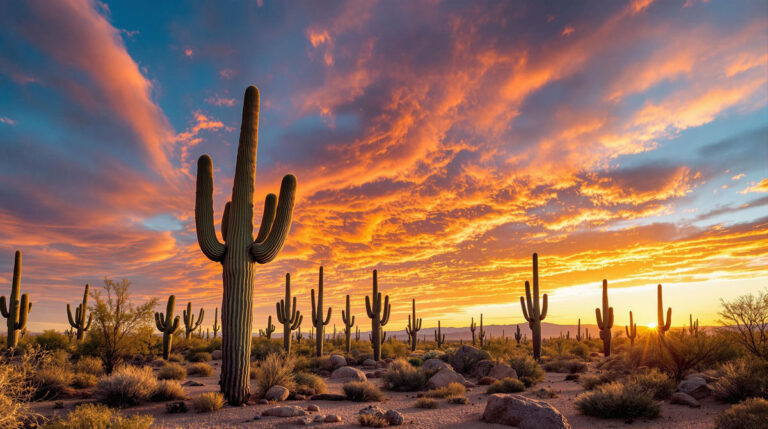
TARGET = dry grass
x,y
172,371
752,413
208,402
201,369
52,382
506,385
362,391
89,365
275,370
451,389
168,390
404,377
656,382
84,380
618,401
312,381
427,403
199,357
458,400
128,385
98,416
15,393
175,357
372,420
741,379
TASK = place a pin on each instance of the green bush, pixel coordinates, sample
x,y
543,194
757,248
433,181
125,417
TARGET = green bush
x,y
52,340
415,361
750,414
618,401
404,377
506,385
427,403
199,357
526,366
741,379
97,416
263,347
393,350
458,400
89,365
590,381
312,381
656,382
172,371
567,366
275,370
362,391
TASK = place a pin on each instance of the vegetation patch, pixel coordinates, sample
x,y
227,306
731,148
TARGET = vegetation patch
x,y
362,391
618,401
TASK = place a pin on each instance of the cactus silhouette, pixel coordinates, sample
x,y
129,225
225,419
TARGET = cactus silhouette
x,y
439,336
578,331
78,322
298,334
240,251
382,336
168,325
267,332
16,311
216,322
531,311
472,328
518,334
631,330
605,323
317,316
349,322
693,327
189,320
414,326
70,334
288,315
357,333
481,334
379,314
661,326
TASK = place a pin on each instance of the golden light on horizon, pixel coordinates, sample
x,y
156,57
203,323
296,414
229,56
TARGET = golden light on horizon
x,y
652,325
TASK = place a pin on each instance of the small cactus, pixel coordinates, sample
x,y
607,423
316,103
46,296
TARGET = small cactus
x,y
269,329
631,330
317,316
288,315
472,328
578,331
693,327
17,311
661,326
378,311
357,333
481,334
70,333
189,320
78,322
216,326
605,324
349,322
439,336
518,334
531,311
168,325
298,335
414,326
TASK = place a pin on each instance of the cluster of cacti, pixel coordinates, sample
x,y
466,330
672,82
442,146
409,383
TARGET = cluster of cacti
x,y
631,330
78,322
240,251
216,326
605,323
473,328
531,310
518,334
317,315
349,322
481,334
267,332
17,311
414,326
378,311
693,327
168,325
288,315
661,326
439,336
190,325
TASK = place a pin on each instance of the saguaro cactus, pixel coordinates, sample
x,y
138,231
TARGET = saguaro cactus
x,y
631,330
349,322
605,324
189,320
379,314
439,336
357,333
531,311
16,311
267,332
287,314
382,336
414,326
317,316
661,326
168,325
70,333
693,327
78,322
240,251
216,322
298,335
518,334
481,334
472,328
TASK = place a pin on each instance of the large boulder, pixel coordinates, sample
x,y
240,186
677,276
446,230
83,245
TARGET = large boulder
x,y
501,371
434,365
394,417
522,412
369,363
482,368
284,411
466,357
337,361
277,393
348,373
444,377
681,398
694,386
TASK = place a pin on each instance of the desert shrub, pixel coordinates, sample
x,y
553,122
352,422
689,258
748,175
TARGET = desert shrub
x,y
208,402
201,368
98,416
746,318
89,365
52,340
127,385
683,352
275,370
526,366
656,382
362,391
263,347
590,381
16,390
312,381
459,400
434,354
468,360
199,357
580,350
52,382
176,357
750,414
415,361
82,380
544,393
393,350
506,385
741,379
172,371
168,390
618,401
427,403
176,407
404,377
372,420
450,389
569,366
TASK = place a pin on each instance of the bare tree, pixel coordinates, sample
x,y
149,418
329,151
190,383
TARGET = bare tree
x,y
747,318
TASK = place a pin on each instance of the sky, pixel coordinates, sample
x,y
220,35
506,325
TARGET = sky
x,y
439,142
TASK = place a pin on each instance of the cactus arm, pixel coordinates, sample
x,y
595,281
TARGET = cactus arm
x,y
525,312
88,325
529,300
3,308
536,309
294,312
353,321
669,319
328,317
23,312
314,309
200,318
544,307
69,316
176,323
599,319
387,307
368,308
267,249
225,221
297,323
159,322
206,234
610,318
267,217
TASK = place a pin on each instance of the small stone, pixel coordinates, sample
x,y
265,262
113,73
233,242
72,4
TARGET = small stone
x,y
304,421
319,418
263,402
192,383
313,407
694,386
373,410
369,363
434,365
394,418
284,411
501,371
348,373
444,377
681,398
277,393
332,418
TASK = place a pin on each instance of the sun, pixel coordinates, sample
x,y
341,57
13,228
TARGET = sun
x,y
652,325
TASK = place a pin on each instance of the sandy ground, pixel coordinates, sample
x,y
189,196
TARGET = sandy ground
x,y
446,416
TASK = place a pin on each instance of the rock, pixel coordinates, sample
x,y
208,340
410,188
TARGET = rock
x,y
465,358
469,385
501,371
707,377
313,407
216,355
378,374
332,418
324,373
681,398
299,397
485,381
284,411
434,365
319,418
348,373
394,418
329,397
444,377
337,361
373,410
277,393
369,363
522,412
192,383
263,402
482,368
694,386
382,364
304,421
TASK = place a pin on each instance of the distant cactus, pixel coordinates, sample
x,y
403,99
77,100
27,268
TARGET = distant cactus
x,y
317,316
693,327
472,328
78,322
288,315
481,334
311,334
189,320
578,331
16,311
439,336
349,322
661,326
605,324
587,334
414,326
70,333
267,332
298,335
168,325
531,311
518,334
216,326
631,330
378,311
357,333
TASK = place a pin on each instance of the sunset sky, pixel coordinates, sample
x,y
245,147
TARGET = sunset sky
x,y
439,142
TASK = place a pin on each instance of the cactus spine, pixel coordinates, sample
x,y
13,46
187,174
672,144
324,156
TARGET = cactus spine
x,y
349,322
288,315
240,251
216,326
16,311
481,335
661,326
379,314
605,324
472,328
189,320
439,336
317,316
414,326
78,322
168,325
631,330
518,334
531,311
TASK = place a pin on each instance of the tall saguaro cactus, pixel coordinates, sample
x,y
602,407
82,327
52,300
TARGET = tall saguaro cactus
x,y
414,326
216,326
16,311
287,314
189,320
631,330
317,316
693,327
78,322
578,331
240,251
168,325
379,314
472,328
605,323
349,322
531,310
661,325
481,334
439,336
